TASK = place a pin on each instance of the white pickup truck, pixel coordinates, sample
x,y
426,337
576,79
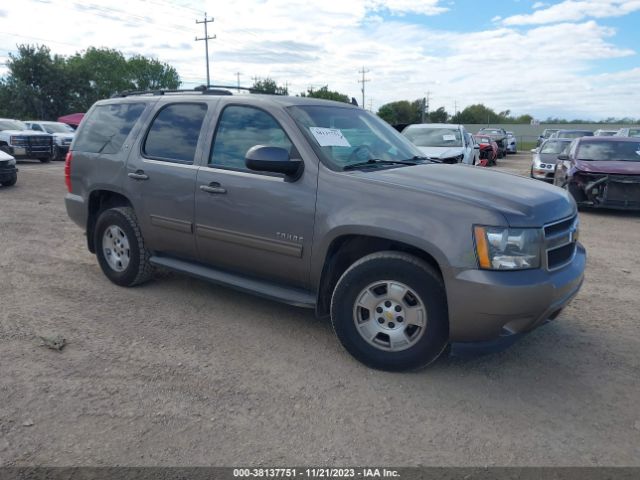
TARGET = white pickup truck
x,y
19,141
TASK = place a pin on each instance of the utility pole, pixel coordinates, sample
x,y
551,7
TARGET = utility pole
x,y
371,104
427,103
206,39
363,81
238,75
455,107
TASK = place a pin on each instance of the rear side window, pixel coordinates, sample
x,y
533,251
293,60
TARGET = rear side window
x,y
173,135
107,127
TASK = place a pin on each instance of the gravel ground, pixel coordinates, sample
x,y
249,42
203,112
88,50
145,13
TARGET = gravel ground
x,y
180,372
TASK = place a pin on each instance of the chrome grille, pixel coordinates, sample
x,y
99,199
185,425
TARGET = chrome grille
x,y
560,242
39,140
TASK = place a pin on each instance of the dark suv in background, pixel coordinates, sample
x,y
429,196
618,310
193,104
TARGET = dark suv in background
x,y
322,205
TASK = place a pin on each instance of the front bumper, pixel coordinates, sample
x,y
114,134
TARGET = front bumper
x,y
487,306
7,173
35,151
620,192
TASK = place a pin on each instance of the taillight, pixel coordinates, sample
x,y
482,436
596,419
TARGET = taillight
x,y
67,171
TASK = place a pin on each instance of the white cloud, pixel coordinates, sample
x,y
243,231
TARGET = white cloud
x,y
539,5
573,11
544,70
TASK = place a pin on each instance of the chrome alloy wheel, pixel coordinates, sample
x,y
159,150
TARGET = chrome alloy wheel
x,y
115,246
390,316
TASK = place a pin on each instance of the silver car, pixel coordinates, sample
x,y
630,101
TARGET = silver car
x,y
543,163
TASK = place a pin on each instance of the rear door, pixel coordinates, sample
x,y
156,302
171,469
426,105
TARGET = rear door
x,y
256,223
161,176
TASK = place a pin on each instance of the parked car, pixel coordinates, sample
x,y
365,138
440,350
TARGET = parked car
x,y
547,132
62,136
19,141
498,135
8,170
629,132
605,133
488,150
476,148
441,141
571,134
543,163
322,205
512,143
602,172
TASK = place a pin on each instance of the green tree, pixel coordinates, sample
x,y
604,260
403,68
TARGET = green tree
x,y
439,116
326,94
268,86
477,114
402,111
43,86
37,86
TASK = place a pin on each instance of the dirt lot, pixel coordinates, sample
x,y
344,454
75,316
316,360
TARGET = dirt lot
x,y
180,372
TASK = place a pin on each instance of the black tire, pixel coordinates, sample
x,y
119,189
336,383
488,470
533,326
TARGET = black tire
x,y
139,270
11,182
45,159
422,279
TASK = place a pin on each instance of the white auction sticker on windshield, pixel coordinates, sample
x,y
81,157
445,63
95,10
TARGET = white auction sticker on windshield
x,y
448,138
329,137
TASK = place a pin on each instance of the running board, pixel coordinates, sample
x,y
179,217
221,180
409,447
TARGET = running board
x,y
279,293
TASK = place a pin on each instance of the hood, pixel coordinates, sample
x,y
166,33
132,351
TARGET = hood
x,y
441,152
25,132
524,202
5,156
548,157
621,168
64,135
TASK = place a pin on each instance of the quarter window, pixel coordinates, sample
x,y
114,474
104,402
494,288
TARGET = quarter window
x,y
241,128
107,126
173,135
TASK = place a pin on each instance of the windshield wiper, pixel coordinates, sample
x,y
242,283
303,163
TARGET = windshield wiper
x,y
419,157
378,161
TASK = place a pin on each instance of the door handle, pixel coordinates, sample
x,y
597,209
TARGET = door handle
x,y
213,187
138,175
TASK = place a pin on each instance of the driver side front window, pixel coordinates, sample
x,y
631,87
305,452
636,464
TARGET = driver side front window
x,y
241,128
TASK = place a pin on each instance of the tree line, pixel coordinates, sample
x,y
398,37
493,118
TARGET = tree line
x,y
44,86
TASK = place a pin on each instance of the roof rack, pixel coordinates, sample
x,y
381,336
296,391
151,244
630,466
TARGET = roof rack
x,y
203,89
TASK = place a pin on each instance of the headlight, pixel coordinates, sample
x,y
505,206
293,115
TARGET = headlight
x,y
11,161
499,248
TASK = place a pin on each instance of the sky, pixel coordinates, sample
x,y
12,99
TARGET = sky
x,y
567,58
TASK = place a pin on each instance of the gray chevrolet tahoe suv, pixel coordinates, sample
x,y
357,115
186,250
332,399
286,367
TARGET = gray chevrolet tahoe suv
x,y
322,205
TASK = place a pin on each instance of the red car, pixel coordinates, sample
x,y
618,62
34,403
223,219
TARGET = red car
x,y
488,150
602,172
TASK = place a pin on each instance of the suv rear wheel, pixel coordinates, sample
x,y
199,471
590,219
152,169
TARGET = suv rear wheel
x,y
120,247
389,311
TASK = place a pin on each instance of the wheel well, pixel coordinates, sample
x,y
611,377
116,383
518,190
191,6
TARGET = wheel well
x,y
100,200
346,250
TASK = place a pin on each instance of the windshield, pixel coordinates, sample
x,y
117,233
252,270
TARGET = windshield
x,y
634,132
12,125
606,150
555,146
547,133
434,137
492,131
483,139
57,128
605,133
574,134
344,136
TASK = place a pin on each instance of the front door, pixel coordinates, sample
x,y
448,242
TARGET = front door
x,y
161,178
254,223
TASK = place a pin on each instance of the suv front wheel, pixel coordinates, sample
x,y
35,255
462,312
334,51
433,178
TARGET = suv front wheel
x,y
120,247
389,311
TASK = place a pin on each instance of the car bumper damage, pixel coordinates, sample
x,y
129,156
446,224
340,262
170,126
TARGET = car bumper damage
x,y
607,191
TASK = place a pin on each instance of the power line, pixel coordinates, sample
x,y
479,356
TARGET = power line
x,y
363,82
206,39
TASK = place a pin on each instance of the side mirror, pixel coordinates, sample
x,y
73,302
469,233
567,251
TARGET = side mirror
x,y
272,159
477,147
534,150
563,157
